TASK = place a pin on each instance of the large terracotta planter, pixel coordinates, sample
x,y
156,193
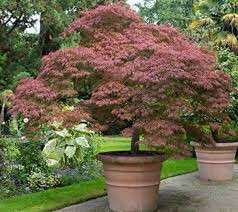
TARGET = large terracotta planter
x,y
132,181
216,163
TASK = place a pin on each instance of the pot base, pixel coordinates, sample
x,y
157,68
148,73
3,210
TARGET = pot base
x,y
133,199
132,181
216,163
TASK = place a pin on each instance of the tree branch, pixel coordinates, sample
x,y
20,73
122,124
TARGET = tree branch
x,y
8,20
15,24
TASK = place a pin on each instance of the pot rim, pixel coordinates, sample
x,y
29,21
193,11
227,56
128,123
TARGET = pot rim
x,y
196,144
108,157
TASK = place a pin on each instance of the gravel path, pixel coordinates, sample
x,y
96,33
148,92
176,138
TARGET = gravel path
x,y
185,193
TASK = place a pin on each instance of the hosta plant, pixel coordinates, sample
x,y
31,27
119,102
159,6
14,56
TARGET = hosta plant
x,y
70,146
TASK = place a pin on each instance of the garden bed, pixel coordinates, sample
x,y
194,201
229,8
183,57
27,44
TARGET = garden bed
x,y
57,198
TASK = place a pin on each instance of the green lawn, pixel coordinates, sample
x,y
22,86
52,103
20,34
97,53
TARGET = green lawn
x,y
54,198
115,143
60,197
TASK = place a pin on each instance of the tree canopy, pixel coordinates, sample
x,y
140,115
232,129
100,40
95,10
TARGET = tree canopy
x,y
146,73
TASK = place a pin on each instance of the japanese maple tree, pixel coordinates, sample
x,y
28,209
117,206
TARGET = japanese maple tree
x,y
128,70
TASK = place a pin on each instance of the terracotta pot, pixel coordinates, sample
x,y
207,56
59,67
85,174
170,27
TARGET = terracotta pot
x,y
132,181
216,163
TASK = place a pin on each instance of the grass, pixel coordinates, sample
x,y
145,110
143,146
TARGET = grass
x,y
57,198
115,144
53,199
178,167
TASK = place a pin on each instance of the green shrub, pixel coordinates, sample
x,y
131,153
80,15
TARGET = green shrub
x,y
228,61
29,160
20,158
7,153
24,168
39,181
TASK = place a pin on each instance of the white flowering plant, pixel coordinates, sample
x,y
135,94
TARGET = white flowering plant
x,y
39,181
18,125
70,146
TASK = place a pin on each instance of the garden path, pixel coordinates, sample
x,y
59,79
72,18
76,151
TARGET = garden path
x,y
185,193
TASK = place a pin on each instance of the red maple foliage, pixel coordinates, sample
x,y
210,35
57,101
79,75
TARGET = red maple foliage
x,y
145,73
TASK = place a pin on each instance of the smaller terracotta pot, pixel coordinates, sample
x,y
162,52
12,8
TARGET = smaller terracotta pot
x,y
216,163
132,181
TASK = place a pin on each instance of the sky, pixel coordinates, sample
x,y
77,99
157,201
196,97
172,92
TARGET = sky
x,y
36,28
132,2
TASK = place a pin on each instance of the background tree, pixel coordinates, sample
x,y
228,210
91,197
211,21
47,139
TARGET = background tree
x,y
144,73
176,12
219,21
228,61
20,52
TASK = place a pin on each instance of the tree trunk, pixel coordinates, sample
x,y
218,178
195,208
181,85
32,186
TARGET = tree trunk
x,y
2,114
45,40
135,142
